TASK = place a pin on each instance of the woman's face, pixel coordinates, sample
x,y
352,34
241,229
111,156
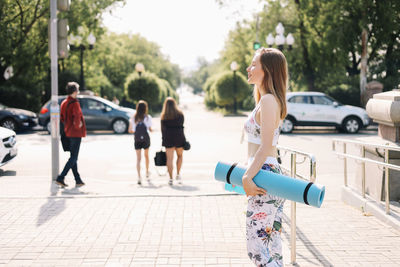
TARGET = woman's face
x,y
255,73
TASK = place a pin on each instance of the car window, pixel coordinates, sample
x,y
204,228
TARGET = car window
x,y
95,105
300,99
82,102
322,100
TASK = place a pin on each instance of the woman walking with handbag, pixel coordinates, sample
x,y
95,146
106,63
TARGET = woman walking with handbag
x,y
173,137
140,125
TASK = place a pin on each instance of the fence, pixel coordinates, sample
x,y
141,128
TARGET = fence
x,y
363,159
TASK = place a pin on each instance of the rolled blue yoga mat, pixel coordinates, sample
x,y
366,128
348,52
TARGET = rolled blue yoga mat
x,y
276,184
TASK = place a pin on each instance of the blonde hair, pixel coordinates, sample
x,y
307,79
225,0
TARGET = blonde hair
x,y
275,80
170,109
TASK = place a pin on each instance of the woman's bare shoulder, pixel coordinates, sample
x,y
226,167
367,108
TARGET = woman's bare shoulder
x,y
268,100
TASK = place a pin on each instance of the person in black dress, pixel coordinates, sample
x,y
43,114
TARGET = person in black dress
x,y
173,138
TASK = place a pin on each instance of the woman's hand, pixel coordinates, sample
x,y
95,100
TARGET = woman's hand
x,y
251,188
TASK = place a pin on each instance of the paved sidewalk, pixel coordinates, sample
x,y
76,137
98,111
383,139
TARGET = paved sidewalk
x,y
188,230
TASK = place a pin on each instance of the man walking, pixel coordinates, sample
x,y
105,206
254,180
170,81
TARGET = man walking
x,y
74,127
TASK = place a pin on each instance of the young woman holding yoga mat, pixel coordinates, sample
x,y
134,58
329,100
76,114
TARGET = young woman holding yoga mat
x,y
269,74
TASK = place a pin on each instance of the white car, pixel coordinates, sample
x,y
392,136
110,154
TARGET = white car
x,y
8,149
318,109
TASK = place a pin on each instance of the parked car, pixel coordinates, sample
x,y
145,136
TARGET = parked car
x,y
318,109
8,149
99,114
17,119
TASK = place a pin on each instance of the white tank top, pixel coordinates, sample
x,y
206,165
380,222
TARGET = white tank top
x,y
253,130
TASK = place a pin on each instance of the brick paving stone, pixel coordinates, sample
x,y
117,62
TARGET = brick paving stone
x,y
181,231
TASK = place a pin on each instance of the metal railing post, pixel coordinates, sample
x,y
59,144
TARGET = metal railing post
x,y
293,213
387,208
363,171
345,165
313,169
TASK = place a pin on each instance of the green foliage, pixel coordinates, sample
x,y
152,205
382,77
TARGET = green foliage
x,y
197,78
230,86
24,45
248,103
119,53
144,87
327,49
14,96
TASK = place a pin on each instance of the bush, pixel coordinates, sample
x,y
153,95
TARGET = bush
x,y
145,87
248,103
14,96
227,87
345,94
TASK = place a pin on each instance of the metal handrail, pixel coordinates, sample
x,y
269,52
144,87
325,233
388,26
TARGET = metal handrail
x,y
384,164
293,173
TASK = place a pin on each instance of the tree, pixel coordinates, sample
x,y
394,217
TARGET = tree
x,y
230,88
24,45
144,87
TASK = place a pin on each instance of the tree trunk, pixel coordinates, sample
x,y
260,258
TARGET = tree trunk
x,y
308,70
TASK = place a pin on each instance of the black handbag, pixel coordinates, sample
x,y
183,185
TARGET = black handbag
x,y
64,139
161,158
186,145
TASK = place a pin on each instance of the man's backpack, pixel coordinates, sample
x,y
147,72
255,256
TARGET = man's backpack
x,y
141,134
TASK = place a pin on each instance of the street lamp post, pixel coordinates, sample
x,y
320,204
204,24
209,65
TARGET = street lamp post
x,y
234,68
139,67
76,44
280,39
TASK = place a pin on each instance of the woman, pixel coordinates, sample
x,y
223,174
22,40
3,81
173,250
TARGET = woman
x,y
268,72
140,125
173,138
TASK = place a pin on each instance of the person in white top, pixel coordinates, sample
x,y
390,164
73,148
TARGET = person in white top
x,y
268,72
140,124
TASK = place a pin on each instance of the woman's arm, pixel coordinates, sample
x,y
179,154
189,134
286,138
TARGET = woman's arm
x,y
268,114
130,130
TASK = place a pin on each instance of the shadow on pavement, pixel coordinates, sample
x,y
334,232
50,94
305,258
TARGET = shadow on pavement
x,y
52,207
308,244
184,188
150,185
7,173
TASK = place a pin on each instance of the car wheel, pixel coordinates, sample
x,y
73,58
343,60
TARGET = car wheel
x,y
119,126
352,125
287,125
9,124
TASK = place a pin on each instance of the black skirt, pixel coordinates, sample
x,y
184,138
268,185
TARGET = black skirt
x,y
172,132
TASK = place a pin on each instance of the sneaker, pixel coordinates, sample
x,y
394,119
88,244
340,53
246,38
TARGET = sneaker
x,y
170,182
79,183
148,175
179,179
139,181
60,182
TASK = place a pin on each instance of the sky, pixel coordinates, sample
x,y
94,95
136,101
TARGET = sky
x,y
184,29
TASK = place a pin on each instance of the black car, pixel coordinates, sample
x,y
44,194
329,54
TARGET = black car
x,y
99,114
17,119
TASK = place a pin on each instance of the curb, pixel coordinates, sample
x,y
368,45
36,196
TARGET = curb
x,y
368,205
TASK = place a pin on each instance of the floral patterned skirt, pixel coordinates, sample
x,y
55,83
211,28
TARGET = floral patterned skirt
x,y
264,226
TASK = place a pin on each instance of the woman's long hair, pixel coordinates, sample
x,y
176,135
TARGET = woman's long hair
x,y
141,110
275,80
170,109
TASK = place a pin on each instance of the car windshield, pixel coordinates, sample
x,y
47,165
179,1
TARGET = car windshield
x,y
111,104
